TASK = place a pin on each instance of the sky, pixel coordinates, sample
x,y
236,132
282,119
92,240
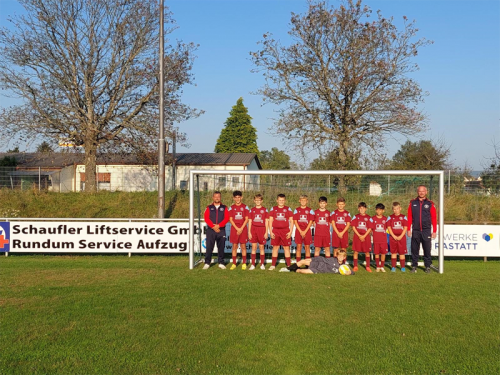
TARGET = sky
x,y
460,70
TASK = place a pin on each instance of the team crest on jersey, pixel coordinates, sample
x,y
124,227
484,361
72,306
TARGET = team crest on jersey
x,y
366,219
261,211
222,209
345,214
426,206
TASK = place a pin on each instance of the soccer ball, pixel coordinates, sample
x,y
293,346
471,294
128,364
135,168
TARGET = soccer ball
x,y
344,269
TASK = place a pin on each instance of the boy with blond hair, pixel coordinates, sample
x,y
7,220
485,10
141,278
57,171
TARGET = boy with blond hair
x,y
303,217
257,231
341,221
361,242
397,225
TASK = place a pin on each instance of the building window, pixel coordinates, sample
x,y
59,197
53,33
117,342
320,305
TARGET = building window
x,y
103,181
222,182
183,185
236,181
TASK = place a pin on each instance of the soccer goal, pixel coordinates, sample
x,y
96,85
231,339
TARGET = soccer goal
x,y
371,187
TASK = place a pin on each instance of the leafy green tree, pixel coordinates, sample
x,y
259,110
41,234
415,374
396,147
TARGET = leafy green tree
x,y
331,161
423,155
274,159
44,147
238,134
8,161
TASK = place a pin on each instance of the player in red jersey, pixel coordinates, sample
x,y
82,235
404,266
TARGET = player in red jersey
x,y
341,221
361,242
397,224
379,228
281,226
257,231
322,228
303,217
238,217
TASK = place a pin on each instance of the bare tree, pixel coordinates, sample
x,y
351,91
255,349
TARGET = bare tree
x,y
87,74
343,80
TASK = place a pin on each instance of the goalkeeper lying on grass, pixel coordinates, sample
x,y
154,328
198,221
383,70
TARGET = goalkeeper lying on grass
x,y
321,265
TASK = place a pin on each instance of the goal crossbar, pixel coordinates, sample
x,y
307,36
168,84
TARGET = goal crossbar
x,y
200,172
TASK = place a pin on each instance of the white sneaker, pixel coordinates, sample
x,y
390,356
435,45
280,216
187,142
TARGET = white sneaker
x,y
378,269
284,269
206,266
262,267
252,267
222,267
382,269
271,268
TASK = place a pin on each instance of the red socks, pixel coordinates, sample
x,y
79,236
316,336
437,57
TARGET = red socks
x,y
402,262
308,257
234,260
253,256
367,259
262,258
288,261
355,262
297,258
393,262
244,259
274,260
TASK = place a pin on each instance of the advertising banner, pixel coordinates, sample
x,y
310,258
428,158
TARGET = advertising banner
x,y
173,237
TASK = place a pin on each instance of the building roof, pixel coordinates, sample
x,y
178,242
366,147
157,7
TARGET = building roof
x,y
62,159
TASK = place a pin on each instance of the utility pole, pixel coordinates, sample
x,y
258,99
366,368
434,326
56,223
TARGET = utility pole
x,y
161,137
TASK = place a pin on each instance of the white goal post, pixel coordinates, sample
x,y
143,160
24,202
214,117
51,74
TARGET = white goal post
x,y
194,175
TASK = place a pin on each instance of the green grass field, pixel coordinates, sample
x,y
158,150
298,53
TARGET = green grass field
x,y
150,314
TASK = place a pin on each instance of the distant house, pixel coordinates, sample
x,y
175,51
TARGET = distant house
x,y
64,172
474,185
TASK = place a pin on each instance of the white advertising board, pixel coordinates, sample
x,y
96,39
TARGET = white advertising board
x,y
470,241
93,237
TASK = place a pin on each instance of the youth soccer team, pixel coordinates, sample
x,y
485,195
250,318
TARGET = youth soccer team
x,y
257,224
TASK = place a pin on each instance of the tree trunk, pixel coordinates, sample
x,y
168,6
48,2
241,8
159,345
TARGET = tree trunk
x,y
343,145
90,167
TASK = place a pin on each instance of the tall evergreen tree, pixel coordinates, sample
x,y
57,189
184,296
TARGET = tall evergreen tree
x,y
238,134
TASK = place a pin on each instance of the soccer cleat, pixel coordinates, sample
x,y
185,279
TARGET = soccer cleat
x,y
272,268
252,267
427,270
206,266
244,266
382,269
233,267
393,269
378,269
403,269
355,268
368,269
221,266
284,269
262,267
413,270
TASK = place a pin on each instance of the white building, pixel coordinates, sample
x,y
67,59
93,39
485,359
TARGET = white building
x,y
64,172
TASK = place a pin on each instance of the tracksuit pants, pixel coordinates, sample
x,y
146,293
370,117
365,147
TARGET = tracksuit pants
x,y
421,237
212,239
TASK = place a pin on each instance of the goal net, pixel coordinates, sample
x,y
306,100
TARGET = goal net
x,y
371,187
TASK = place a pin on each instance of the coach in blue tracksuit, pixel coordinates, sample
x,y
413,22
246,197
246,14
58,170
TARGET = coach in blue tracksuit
x,y
422,225
216,217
